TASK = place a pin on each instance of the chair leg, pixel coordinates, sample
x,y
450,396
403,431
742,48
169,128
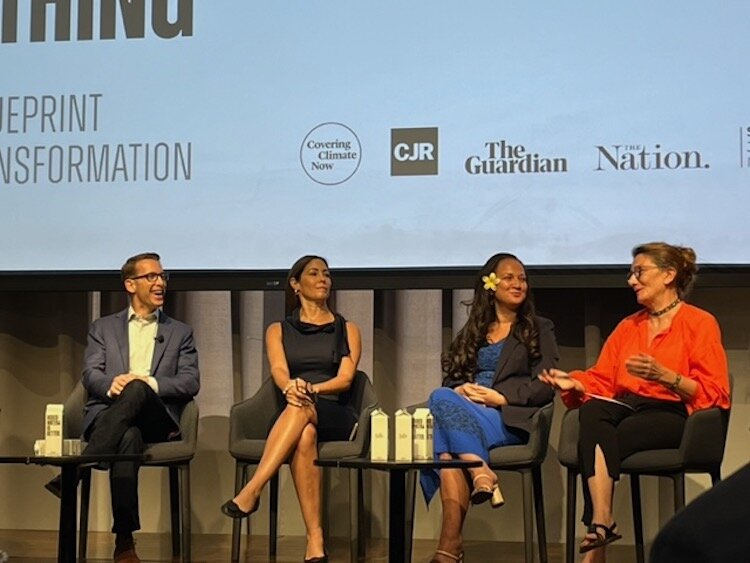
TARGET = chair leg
x,y
411,489
528,520
83,530
248,521
635,494
541,528
273,514
361,515
570,516
715,475
355,531
678,482
186,531
239,482
174,509
325,517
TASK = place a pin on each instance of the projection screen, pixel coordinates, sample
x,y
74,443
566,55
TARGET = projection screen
x,y
241,134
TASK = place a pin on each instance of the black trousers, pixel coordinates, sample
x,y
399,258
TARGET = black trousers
x,y
712,528
136,417
621,431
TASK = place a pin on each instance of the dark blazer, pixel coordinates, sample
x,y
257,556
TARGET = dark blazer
x,y
174,364
516,376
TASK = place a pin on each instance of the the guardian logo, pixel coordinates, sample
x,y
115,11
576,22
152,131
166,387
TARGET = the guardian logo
x,y
169,19
414,152
503,157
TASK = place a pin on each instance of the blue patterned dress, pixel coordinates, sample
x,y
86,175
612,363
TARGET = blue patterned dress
x,y
462,426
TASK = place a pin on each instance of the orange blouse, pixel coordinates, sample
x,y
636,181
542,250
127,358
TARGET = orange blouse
x,y
691,346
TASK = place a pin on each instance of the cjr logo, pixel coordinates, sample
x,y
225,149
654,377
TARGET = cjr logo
x,y
414,152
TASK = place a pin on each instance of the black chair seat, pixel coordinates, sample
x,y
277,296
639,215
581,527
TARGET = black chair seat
x,y
527,460
249,424
701,451
175,456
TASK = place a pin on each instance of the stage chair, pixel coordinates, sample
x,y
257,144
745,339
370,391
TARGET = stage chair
x,y
249,424
701,451
175,455
527,460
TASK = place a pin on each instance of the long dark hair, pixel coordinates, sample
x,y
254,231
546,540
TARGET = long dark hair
x,y
291,299
460,361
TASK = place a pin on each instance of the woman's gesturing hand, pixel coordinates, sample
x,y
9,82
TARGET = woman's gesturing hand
x,y
560,380
644,366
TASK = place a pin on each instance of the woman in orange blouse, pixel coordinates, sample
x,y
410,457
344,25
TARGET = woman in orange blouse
x,y
659,365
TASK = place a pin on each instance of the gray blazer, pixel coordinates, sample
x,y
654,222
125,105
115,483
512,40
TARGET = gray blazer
x,y
174,364
516,376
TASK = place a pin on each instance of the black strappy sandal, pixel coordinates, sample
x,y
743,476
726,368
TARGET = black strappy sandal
x,y
602,539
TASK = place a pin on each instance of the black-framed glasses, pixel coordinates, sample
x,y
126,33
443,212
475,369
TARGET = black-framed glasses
x,y
637,272
151,277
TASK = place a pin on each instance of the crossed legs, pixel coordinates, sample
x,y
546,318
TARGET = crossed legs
x,y
306,476
455,493
294,436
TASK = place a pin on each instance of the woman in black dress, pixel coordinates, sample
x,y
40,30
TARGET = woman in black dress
x,y
313,355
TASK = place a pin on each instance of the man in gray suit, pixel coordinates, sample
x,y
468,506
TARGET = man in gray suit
x,y
140,369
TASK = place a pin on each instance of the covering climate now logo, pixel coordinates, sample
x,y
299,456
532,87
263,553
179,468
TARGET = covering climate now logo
x,y
80,18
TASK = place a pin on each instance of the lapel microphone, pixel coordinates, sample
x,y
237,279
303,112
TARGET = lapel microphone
x,y
159,338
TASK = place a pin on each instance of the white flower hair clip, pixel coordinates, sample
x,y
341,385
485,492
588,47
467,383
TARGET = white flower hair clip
x,y
490,282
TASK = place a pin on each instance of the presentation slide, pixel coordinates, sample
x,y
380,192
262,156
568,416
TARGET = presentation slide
x,y
228,134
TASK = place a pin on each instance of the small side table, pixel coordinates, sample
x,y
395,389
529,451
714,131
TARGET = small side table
x,y
69,464
397,475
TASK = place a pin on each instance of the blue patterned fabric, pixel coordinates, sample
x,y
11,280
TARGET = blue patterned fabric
x,y
464,427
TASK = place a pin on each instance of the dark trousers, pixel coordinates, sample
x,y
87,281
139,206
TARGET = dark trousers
x,y
621,431
712,528
135,418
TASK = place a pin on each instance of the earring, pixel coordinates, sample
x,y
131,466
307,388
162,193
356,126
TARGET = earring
x,y
296,291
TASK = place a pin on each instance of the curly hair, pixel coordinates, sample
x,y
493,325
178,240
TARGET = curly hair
x,y
460,361
681,258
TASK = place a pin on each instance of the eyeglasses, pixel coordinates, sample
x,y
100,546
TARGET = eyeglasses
x,y
637,272
151,277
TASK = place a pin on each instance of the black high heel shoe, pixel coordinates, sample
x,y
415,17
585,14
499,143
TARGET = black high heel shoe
x,y
231,509
322,559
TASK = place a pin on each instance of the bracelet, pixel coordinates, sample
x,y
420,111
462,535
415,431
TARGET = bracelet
x,y
673,386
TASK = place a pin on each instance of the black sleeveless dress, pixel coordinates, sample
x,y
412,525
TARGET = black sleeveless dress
x,y
314,353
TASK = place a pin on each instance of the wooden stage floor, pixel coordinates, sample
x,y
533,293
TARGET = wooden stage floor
x,y
40,547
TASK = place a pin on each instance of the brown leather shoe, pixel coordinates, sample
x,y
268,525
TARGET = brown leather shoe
x,y
125,552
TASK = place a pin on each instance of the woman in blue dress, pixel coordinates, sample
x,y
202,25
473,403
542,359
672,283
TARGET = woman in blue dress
x,y
489,394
